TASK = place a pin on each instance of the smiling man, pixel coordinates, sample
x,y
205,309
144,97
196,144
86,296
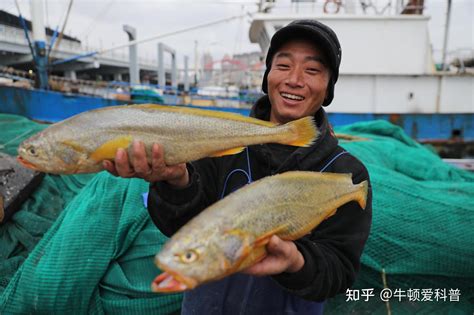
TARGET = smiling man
x,y
295,277
297,81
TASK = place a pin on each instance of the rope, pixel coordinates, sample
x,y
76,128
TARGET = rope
x,y
247,174
56,44
25,29
332,160
101,15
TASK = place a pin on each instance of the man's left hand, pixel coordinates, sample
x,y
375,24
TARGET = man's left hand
x,y
282,256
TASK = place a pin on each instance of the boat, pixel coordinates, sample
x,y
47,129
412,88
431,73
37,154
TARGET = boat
x,y
44,96
387,70
421,234
392,76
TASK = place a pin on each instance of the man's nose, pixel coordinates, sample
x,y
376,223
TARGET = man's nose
x,y
295,78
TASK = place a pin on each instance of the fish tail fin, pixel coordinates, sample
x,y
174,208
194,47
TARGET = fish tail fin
x,y
304,132
361,197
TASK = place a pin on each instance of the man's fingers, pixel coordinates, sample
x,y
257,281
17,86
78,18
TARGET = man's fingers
x,y
139,166
110,167
276,245
255,270
140,163
157,158
122,165
280,258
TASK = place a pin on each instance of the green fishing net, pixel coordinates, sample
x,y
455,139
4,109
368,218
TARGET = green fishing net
x,y
19,236
81,244
85,244
422,231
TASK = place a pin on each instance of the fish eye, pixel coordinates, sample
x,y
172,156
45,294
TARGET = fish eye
x,y
32,151
189,256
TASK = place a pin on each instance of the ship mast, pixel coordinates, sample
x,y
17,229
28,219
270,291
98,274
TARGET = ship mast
x,y
39,43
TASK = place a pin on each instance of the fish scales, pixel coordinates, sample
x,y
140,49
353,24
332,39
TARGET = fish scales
x,y
80,143
231,234
288,201
185,131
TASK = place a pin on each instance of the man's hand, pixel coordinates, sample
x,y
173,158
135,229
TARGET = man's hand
x,y
137,166
282,256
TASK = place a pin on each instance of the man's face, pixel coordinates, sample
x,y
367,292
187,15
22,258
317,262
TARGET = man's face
x,y
297,81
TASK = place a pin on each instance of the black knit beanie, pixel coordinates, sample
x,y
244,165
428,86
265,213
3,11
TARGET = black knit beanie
x,y
318,33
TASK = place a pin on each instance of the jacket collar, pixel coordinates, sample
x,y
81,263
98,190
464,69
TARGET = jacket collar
x,y
302,158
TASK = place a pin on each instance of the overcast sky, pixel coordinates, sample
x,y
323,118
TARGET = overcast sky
x,y
98,23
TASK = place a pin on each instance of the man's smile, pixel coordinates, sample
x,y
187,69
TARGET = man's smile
x,y
292,96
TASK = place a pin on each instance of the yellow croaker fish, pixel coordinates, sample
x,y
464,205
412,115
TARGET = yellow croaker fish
x,y
80,143
231,234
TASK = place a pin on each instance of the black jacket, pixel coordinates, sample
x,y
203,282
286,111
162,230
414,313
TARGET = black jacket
x,y
331,252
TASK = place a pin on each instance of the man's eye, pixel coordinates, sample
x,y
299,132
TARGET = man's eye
x,y
313,70
282,66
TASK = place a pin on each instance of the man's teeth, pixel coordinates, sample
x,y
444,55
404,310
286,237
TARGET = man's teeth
x,y
292,96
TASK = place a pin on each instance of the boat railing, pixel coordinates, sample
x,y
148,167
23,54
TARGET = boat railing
x,y
460,60
358,7
14,35
142,93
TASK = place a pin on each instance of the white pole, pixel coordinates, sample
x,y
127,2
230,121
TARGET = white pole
x,y
186,74
446,33
196,62
37,18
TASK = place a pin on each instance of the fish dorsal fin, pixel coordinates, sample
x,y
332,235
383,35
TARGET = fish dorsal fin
x,y
299,175
205,113
228,152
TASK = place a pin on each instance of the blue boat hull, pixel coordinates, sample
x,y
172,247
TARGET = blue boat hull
x,y
48,106
423,127
53,106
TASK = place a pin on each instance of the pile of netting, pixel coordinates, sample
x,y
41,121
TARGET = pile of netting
x,y
422,233
85,244
82,244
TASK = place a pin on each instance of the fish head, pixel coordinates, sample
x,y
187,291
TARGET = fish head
x,y
42,153
190,259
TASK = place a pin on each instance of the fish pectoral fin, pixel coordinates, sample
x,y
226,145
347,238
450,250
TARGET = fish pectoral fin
x,y
225,264
257,251
265,238
255,255
236,246
108,150
240,252
74,145
228,152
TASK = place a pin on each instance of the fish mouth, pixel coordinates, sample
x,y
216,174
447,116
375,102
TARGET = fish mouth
x,y
27,164
171,281
167,283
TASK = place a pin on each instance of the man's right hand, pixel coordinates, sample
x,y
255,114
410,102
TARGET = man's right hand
x,y
138,166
